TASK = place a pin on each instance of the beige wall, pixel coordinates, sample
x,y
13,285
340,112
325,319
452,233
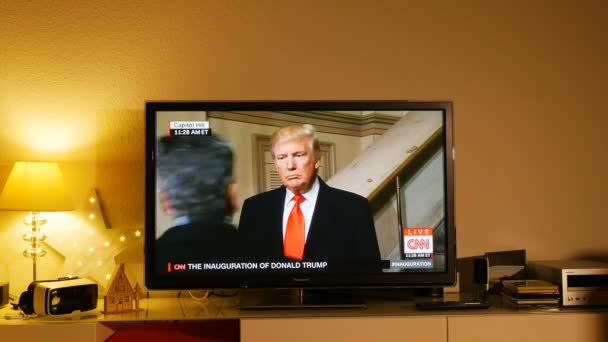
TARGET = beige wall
x,y
527,82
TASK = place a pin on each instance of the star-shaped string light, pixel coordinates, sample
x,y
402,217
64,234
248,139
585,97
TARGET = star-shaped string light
x,y
88,246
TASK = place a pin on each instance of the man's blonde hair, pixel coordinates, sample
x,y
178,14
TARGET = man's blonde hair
x,y
295,132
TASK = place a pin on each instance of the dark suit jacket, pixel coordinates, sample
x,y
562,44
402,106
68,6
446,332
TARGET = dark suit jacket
x,y
342,227
197,242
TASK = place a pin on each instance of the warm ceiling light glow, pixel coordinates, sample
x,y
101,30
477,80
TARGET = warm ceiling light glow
x,y
51,129
99,263
91,249
50,140
122,238
79,263
107,244
91,199
108,276
138,233
91,216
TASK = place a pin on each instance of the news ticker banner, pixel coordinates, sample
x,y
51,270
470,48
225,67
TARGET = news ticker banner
x,y
188,128
245,266
295,266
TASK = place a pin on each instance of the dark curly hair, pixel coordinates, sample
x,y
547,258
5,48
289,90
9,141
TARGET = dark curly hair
x,y
194,172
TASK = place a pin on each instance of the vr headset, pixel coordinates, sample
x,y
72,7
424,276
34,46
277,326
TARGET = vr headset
x,y
59,297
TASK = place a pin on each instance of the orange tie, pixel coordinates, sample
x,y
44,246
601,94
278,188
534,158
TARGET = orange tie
x,y
294,234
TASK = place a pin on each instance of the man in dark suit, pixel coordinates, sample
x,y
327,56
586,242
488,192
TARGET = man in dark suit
x,y
305,219
197,190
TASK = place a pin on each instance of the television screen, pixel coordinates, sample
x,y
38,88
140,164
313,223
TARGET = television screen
x,y
299,194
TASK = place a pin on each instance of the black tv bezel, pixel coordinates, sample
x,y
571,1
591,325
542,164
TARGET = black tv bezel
x,y
156,281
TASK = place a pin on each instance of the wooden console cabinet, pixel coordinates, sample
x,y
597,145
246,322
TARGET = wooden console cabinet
x,y
478,327
382,321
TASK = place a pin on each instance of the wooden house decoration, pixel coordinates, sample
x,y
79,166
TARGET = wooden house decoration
x,y
120,296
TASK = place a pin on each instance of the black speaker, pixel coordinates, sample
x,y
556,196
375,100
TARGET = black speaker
x,y
481,278
4,297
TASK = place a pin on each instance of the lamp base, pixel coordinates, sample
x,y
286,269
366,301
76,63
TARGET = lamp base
x,y
34,238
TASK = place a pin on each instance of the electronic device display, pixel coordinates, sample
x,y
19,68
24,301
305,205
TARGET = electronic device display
x,y
581,282
365,146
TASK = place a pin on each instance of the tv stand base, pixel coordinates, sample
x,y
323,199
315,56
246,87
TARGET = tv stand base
x,y
300,299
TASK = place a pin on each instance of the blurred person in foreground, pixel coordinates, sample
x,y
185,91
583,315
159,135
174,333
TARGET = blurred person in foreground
x,y
197,189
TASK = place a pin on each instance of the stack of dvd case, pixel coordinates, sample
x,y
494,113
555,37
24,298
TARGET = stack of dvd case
x,y
529,293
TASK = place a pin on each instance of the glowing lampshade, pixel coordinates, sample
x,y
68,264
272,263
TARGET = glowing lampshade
x,y
35,187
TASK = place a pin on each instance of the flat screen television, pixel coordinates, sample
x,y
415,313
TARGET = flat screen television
x,y
393,162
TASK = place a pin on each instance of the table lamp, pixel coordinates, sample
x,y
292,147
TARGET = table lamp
x,y
35,187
